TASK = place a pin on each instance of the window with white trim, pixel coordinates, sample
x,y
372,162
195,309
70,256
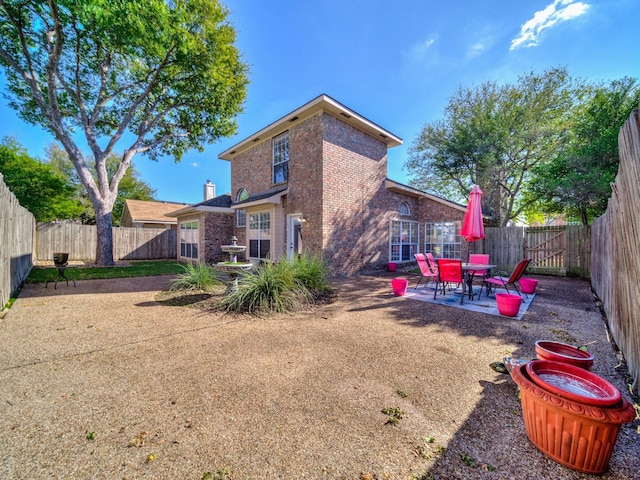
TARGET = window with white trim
x,y
260,235
404,209
280,152
443,239
241,214
189,240
403,240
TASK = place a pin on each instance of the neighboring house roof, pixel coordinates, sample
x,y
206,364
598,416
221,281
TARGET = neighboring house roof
x,y
272,195
219,204
398,187
322,103
145,211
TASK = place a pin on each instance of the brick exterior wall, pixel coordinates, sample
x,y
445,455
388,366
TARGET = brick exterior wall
x,y
337,182
217,231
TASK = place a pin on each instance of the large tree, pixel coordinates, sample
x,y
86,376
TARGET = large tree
x,y
577,180
39,188
130,187
493,135
159,77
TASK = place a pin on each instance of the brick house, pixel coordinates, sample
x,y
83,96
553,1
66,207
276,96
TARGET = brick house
x,y
315,181
148,214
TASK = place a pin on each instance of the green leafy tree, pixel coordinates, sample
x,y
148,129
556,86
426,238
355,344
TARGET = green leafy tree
x,y
160,77
577,180
494,136
131,186
37,186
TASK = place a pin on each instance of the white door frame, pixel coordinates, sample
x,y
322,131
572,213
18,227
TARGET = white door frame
x,y
293,243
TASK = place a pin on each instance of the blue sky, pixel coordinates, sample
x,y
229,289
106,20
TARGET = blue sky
x,y
396,64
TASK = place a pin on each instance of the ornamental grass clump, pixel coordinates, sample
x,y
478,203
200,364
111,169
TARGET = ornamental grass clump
x,y
312,273
199,276
285,286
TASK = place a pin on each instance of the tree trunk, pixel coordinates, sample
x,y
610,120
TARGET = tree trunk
x,y
104,247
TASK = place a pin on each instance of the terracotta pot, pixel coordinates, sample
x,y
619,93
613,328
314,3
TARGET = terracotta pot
x,y
562,352
573,383
528,285
508,304
578,436
399,286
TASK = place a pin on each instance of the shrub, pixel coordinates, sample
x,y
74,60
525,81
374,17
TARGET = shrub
x,y
199,276
272,288
312,273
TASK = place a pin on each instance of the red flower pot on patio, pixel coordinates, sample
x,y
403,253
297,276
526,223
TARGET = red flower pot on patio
x,y
508,304
528,285
399,286
391,267
576,435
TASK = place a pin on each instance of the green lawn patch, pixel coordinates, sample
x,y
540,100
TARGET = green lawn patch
x,y
142,268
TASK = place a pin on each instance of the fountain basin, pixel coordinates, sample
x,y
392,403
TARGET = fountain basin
x,y
233,248
227,267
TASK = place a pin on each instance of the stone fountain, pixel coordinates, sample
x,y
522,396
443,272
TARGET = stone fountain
x,y
233,268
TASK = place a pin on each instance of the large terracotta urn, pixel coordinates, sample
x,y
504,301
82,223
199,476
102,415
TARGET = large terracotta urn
x,y
575,434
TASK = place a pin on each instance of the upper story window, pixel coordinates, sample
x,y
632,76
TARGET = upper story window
x,y
404,209
241,215
280,151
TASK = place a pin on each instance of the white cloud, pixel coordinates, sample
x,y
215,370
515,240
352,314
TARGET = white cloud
x,y
558,11
194,164
420,50
476,49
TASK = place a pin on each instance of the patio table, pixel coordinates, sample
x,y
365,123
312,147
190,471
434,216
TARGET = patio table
x,y
467,268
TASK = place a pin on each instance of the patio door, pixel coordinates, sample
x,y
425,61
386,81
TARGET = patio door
x,y
294,235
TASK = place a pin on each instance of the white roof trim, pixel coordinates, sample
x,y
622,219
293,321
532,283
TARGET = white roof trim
x,y
415,193
198,209
323,103
274,199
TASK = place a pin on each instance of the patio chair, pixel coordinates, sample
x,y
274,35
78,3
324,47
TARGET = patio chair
x,y
433,265
449,271
425,271
502,280
481,258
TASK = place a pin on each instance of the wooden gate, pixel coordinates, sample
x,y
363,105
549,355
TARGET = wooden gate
x,y
546,247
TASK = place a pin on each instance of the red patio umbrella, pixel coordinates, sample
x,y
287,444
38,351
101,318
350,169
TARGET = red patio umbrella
x,y
472,226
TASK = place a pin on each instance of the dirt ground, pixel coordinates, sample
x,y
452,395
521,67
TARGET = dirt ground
x,y
102,381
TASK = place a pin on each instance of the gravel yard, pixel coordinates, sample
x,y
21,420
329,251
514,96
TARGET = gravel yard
x,y
102,381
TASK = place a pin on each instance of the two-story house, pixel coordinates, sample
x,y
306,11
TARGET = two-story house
x,y
315,181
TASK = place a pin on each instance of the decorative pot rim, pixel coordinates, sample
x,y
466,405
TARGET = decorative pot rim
x,y
570,381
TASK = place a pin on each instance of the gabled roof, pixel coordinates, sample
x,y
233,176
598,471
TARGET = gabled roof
x,y
398,187
146,211
322,103
219,204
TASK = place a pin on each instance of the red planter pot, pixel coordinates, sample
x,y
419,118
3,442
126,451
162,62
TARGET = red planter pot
x,y
578,436
562,352
399,286
391,267
528,285
508,304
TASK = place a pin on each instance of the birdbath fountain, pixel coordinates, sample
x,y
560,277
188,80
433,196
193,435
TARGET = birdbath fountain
x,y
233,268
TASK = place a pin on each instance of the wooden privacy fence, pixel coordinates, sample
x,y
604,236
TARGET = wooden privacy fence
x,y
555,250
17,243
128,243
615,262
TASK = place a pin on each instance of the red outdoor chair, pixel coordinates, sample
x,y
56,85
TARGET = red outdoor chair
x,y
425,271
449,271
433,265
504,281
